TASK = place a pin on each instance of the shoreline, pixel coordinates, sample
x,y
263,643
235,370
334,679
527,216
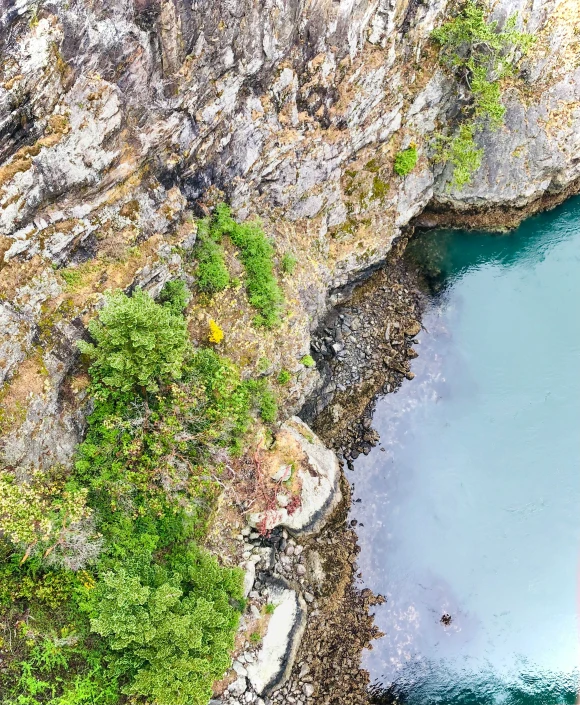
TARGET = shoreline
x,y
357,364
325,668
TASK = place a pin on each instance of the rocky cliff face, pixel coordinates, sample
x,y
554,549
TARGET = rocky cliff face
x,y
120,121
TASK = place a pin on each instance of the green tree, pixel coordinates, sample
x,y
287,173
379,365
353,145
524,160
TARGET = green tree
x,y
138,343
480,54
175,632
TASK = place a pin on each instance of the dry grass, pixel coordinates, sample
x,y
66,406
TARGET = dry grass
x,y
16,394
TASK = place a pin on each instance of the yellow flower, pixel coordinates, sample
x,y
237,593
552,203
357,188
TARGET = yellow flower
x,y
216,334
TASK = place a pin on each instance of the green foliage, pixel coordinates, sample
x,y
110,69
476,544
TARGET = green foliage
x,y
480,54
471,40
405,161
138,343
256,253
308,361
267,405
462,152
35,512
288,263
212,273
72,277
255,637
174,625
175,296
270,608
284,377
154,618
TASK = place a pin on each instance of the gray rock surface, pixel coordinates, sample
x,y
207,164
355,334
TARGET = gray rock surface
x,y
276,656
318,476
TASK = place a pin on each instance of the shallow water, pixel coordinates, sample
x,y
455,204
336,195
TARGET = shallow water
x,y
470,507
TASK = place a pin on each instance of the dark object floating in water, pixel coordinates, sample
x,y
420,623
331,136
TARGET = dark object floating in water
x,y
446,619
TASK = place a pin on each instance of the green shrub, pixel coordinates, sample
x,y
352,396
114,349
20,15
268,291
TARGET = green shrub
x,y
270,608
480,55
174,627
308,361
462,152
405,161
267,405
212,273
138,344
175,296
288,263
284,377
35,513
256,253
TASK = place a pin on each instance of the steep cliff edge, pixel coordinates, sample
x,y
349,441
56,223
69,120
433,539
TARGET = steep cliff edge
x,y
118,119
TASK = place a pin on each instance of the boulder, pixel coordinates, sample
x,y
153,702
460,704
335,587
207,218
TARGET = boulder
x,y
275,658
316,481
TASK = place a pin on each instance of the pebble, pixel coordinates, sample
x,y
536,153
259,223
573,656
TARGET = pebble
x,y
309,597
300,569
290,550
308,689
298,550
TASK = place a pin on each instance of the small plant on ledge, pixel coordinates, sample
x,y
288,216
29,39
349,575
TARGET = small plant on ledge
x,y
405,161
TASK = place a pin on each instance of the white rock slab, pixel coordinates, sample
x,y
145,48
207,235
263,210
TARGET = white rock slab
x,y
319,476
275,658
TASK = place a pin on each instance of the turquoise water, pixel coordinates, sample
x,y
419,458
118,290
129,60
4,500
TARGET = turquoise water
x,y
470,508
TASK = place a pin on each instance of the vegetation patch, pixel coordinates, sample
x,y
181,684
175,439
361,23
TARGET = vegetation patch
x,y
212,273
257,255
288,263
105,593
479,54
405,161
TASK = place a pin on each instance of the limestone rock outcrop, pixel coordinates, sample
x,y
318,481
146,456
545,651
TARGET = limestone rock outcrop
x,y
119,121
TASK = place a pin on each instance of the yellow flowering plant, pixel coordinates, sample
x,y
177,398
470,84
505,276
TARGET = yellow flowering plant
x,y
216,334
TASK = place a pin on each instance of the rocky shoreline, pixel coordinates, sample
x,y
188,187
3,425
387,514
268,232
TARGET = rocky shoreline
x,y
362,348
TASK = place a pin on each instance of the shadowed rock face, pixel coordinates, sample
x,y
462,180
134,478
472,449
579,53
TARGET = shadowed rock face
x,y
122,117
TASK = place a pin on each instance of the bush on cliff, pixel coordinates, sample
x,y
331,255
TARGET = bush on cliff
x,y
405,161
479,54
138,343
257,255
